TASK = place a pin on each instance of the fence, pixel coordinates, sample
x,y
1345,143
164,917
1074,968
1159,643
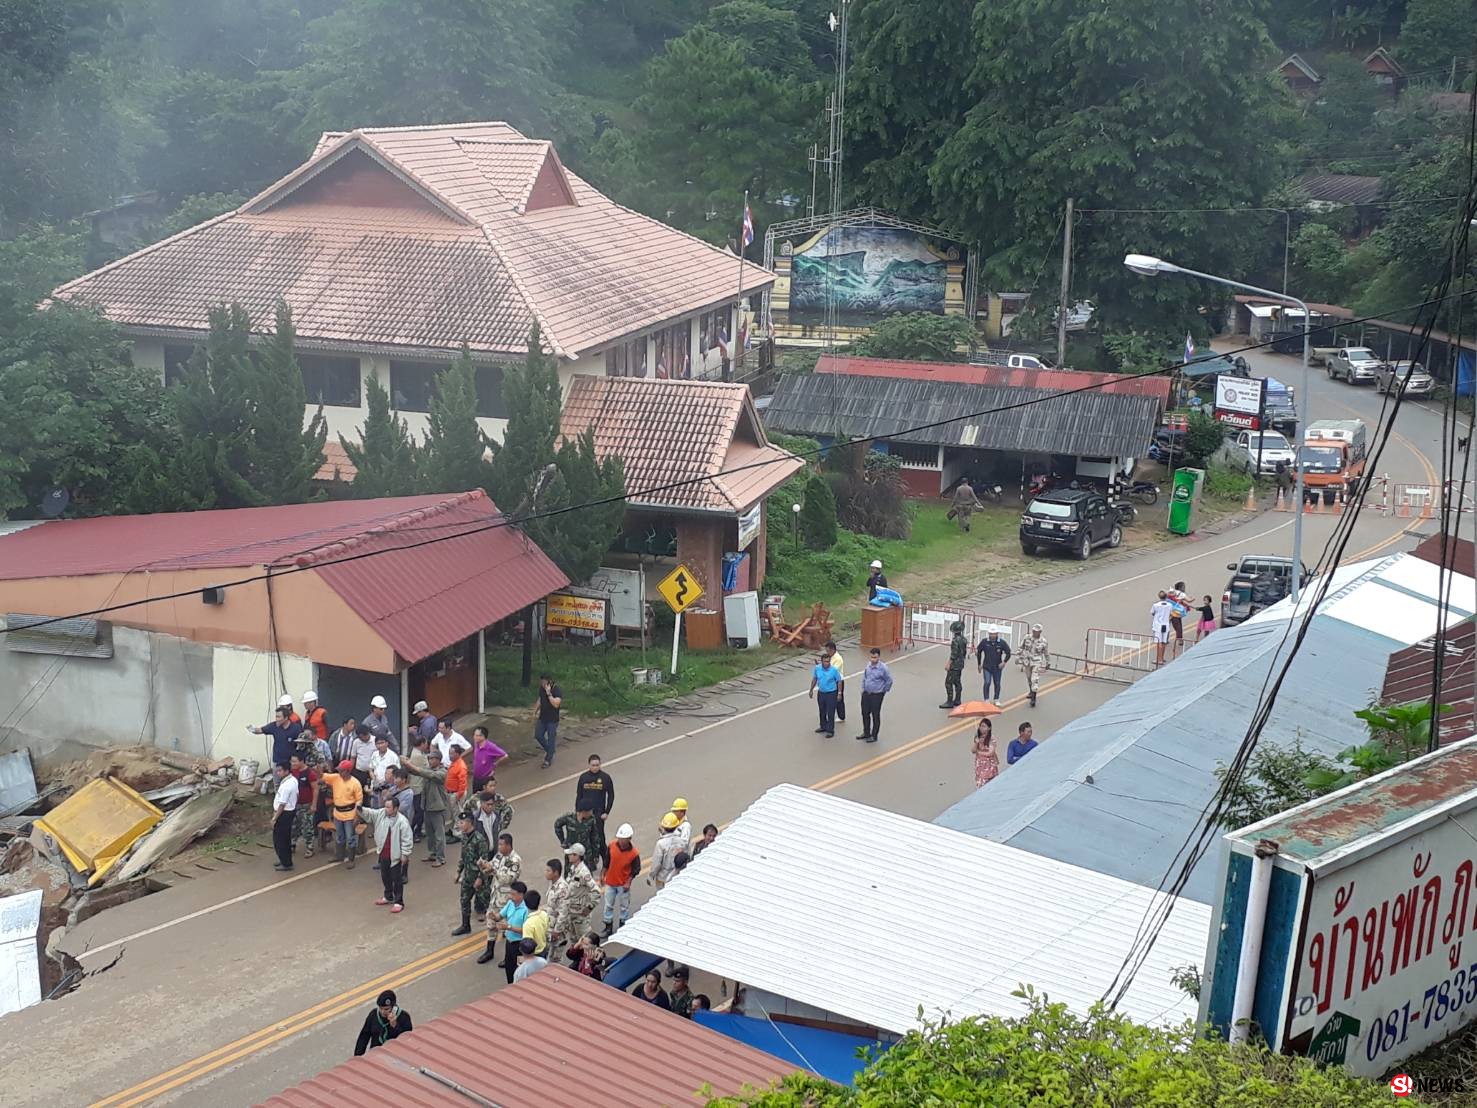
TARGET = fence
x,y
931,623
1108,653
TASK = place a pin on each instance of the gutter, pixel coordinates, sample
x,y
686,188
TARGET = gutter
x,y
1251,940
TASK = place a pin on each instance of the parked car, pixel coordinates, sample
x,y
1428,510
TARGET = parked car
x,y
1071,519
1420,382
1285,342
1264,449
1279,407
1009,360
1257,581
1354,364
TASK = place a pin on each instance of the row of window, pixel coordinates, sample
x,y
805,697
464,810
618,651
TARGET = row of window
x,y
673,355
335,381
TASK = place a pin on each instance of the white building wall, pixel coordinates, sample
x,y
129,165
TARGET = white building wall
x,y
245,686
150,353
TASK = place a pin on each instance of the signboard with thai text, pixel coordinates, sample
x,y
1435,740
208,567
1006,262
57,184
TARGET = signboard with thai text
x,y
1238,401
576,613
1390,949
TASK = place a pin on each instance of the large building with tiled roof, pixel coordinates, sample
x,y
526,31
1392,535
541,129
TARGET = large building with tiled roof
x,y
394,246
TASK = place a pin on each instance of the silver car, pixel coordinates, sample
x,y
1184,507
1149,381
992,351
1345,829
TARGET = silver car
x,y
1418,383
1354,364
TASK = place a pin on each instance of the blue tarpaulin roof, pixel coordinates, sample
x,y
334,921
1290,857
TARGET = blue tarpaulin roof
x,y
828,1053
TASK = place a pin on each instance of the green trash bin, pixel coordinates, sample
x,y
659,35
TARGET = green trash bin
x,y
1183,494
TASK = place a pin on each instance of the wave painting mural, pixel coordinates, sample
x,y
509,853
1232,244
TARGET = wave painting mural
x,y
871,271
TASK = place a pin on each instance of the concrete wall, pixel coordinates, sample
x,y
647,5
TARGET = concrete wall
x,y
247,685
155,689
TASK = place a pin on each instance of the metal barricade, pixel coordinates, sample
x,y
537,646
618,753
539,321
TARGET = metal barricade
x,y
930,623
1106,650
1420,501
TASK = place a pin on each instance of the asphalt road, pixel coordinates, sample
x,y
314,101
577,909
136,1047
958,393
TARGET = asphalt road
x,y
237,984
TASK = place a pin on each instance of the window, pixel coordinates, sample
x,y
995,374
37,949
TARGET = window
x,y
176,357
627,359
912,455
330,380
412,384
713,330
490,392
674,352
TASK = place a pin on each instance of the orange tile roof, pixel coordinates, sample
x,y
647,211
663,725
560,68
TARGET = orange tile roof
x,y
427,237
336,464
667,432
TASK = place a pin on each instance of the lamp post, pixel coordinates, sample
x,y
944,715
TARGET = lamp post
x,y
795,527
1147,266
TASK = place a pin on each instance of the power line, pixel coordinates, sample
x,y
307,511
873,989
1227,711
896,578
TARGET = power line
x,y
502,519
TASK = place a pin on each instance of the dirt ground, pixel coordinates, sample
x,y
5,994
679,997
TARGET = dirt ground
x,y
136,766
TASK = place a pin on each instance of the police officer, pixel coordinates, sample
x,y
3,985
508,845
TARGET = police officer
x,y
954,671
1035,658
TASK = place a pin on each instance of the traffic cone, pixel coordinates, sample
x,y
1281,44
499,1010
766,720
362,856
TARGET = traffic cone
x,y
1250,505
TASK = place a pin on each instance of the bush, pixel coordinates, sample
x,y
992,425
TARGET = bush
x,y
818,514
1227,485
1202,439
873,499
918,336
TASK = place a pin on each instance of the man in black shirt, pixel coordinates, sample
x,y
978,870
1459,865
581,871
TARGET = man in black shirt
x,y
596,791
878,580
546,725
991,655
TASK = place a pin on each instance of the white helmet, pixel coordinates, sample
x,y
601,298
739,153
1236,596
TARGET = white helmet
x,y
876,564
625,831
378,702
310,695
284,701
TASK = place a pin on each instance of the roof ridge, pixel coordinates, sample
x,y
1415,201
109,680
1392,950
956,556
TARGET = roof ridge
x,y
545,330
438,126
340,548
141,251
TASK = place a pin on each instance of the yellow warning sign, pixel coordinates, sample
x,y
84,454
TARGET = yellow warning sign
x,y
680,589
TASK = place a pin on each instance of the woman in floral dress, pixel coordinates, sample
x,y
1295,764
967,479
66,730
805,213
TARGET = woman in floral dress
x,y
986,760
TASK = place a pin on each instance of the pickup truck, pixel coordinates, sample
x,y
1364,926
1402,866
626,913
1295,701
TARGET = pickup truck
x,y
1008,360
1264,449
1332,457
1354,364
1257,581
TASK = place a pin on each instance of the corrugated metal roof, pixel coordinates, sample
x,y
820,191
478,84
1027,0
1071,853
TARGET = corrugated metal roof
x,y
836,883
1089,424
419,596
510,1049
666,432
1339,188
1408,678
1152,750
967,373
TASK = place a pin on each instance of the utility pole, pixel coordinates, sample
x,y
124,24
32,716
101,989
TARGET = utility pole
x,y
1061,308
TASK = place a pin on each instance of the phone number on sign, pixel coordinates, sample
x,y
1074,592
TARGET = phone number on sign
x,y
1440,1001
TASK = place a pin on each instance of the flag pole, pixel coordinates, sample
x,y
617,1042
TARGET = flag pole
x,y
738,303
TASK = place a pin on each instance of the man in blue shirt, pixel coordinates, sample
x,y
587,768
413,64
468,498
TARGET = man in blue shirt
x,y
1021,745
825,685
284,733
876,683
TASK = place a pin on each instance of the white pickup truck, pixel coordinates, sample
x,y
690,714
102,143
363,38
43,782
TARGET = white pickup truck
x,y
1262,450
1355,364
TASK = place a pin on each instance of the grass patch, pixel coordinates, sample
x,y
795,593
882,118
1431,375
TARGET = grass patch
x,y
1227,487
596,680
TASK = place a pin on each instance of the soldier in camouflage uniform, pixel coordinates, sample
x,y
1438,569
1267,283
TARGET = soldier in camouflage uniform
x,y
1035,659
954,671
579,827
501,869
579,897
554,903
476,888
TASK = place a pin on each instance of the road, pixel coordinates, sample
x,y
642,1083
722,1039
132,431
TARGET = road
x,y
237,984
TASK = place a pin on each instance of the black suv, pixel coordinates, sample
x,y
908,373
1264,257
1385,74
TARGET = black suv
x,y
1075,519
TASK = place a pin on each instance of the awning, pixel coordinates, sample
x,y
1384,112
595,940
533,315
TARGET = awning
x,y
829,1053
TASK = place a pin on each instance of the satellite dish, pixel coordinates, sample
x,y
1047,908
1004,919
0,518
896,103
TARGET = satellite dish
x,y
55,502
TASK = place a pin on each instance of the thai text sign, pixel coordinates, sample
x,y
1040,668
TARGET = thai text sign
x,y
1389,949
576,613
1238,394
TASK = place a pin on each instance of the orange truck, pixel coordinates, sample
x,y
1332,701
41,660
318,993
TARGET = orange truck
x,y
1332,458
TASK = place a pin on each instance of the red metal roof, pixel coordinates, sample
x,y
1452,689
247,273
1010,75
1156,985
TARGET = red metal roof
x,y
1408,678
419,596
510,1049
1461,555
969,374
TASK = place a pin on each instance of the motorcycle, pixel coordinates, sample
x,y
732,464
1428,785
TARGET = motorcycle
x,y
1127,513
1038,484
1145,492
991,493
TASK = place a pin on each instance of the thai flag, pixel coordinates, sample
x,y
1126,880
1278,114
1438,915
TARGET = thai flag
x,y
1189,348
748,233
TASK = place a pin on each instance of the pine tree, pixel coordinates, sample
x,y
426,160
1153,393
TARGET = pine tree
x,y
452,459
818,514
579,540
210,403
533,400
386,458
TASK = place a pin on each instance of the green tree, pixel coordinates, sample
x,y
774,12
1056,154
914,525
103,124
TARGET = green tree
x,y
920,336
1347,101
385,458
533,400
1050,1056
1435,34
1275,780
453,458
74,405
1203,438
579,539
1135,352
818,525
1319,256
1120,105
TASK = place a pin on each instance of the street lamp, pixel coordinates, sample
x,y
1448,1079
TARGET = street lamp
x,y
1148,266
795,527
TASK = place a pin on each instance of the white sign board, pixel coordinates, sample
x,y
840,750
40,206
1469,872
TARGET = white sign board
x,y
1238,394
20,972
748,525
1389,955
622,587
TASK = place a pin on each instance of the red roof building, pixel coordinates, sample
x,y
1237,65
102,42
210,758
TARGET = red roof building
x,y
224,611
1409,678
509,1049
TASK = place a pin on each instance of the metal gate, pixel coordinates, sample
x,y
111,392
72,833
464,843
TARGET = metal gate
x,y
1107,651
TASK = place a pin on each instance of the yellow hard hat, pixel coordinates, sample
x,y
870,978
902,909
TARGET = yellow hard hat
x,y
679,805
669,821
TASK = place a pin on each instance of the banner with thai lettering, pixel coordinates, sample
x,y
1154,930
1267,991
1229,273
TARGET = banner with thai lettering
x,y
1387,965
576,613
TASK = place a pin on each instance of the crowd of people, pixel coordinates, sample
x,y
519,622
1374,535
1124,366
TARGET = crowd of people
x,y
1167,619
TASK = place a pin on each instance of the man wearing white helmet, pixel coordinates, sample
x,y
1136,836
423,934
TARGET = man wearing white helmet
x,y
625,864
315,716
285,701
1035,660
379,723
878,580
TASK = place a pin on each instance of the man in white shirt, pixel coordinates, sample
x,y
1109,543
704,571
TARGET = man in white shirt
x,y
382,764
284,811
668,845
446,738
1159,613
528,961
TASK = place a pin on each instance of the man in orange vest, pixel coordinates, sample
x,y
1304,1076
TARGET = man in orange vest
x,y
624,865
